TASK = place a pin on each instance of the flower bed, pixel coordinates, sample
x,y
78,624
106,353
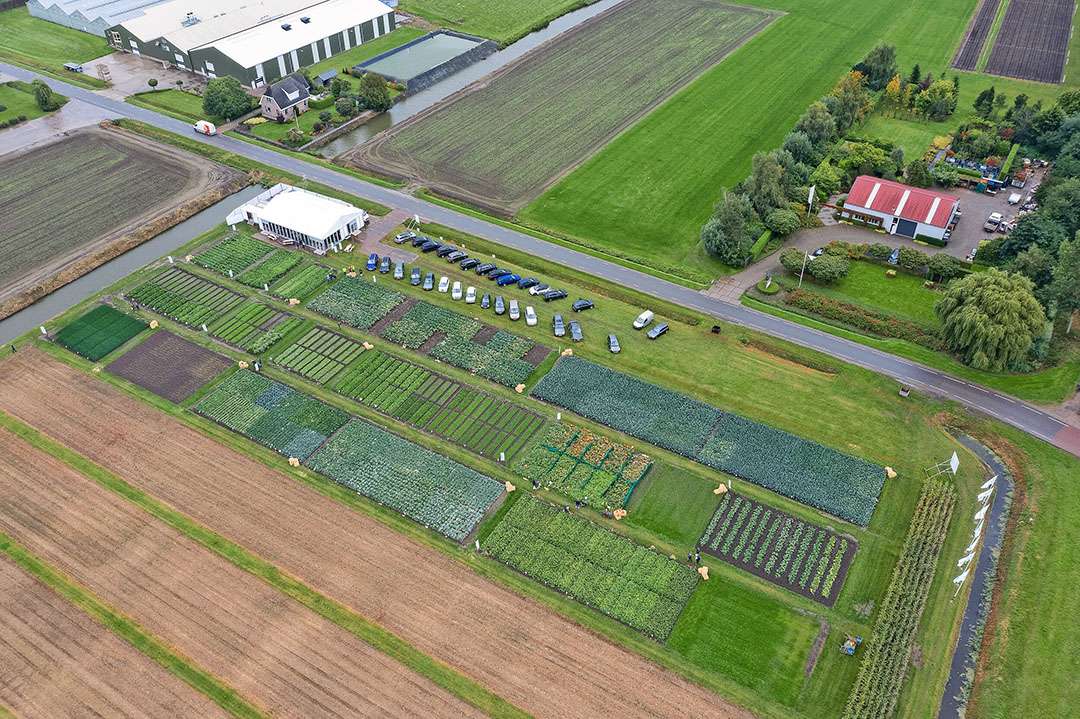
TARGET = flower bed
x,y
865,320
601,569
427,487
357,303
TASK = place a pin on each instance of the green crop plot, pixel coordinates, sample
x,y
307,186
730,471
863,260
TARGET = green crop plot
x,y
355,302
255,327
271,269
499,143
185,297
233,254
99,332
302,284
319,355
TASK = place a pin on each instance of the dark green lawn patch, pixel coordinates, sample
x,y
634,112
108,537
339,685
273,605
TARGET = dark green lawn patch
x,y
99,332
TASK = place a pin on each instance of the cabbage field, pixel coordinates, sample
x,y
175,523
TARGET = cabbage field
x,y
808,472
628,582
355,302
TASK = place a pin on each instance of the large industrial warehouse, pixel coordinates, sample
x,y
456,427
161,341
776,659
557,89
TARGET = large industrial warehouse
x,y
92,16
255,42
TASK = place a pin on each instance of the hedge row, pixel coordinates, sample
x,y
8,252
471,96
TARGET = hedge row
x,y
865,320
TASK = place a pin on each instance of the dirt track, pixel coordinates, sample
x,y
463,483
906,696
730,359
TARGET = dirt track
x,y
58,663
526,653
278,654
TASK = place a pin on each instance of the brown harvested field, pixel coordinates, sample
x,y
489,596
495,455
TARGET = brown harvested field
x,y
58,663
169,366
73,203
275,652
519,649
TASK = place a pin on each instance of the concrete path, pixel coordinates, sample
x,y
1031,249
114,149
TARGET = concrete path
x,y
931,381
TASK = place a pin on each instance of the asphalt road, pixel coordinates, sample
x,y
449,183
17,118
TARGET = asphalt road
x,y
1007,409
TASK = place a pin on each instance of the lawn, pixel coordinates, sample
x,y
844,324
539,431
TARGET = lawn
x,y
536,125
913,135
512,20
271,130
175,103
18,98
368,50
867,286
45,46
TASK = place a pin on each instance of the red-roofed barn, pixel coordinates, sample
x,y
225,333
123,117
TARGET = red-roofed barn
x,y
900,209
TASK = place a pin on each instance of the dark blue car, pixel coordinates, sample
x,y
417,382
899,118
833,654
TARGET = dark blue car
x,y
372,262
507,280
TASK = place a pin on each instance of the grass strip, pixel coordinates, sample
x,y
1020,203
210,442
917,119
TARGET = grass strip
x,y
984,56
5,713
256,170
201,680
440,674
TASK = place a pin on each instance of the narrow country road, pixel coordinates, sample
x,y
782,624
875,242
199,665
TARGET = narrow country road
x,y
1007,409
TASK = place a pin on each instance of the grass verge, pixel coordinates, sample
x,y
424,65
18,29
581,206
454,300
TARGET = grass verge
x,y
174,103
457,684
44,47
195,677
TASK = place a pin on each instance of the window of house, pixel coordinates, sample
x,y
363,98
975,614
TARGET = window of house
x,y
210,66
115,36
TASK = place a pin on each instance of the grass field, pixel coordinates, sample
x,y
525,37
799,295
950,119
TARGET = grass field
x,y
175,103
18,98
514,18
867,286
536,123
45,46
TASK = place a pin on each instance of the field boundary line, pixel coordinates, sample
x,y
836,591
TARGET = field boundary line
x,y
379,638
6,713
984,56
127,629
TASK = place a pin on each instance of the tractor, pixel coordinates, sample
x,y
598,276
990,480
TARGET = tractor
x,y
848,647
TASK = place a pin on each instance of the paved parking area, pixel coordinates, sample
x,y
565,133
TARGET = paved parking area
x,y
130,72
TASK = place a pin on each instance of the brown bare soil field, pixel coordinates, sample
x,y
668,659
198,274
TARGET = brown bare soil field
x,y
274,651
58,663
73,204
519,649
169,366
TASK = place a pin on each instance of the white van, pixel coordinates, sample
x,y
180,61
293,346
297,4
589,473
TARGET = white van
x,y
643,320
205,128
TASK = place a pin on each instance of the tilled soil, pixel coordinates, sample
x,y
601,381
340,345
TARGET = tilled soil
x,y
275,652
57,663
528,654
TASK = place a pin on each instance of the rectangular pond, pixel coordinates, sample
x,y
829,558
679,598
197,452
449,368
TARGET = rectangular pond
x,y
426,60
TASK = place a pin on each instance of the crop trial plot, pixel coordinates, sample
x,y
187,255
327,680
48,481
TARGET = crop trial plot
x,y
255,327
99,332
805,471
319,355
169,366
581,464
423,485
467,417
271,269
302,284
233,254
1033,41
186,298
779,548
971,47
272,414
357,303
607,571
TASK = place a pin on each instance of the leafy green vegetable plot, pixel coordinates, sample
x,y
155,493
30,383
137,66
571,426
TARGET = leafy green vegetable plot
x,y
234,253
622,579
99,332
357,303
271,269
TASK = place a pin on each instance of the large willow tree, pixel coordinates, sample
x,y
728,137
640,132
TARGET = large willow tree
x,y
991,318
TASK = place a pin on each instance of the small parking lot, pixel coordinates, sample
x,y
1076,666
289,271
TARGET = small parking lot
x,y
976,208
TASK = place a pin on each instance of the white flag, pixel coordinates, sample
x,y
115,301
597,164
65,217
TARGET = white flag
x,y
984,497
964,561
989,483
978,531
960,580
971,547
981,514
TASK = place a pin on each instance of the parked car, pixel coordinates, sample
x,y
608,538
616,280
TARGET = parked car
x,y
469,263
455,291
894,257
372,262
992,222
457,255
554,295
660,329
515,313
530,316
500,306
384,265
643,319
404,236
486,268
527,282
613,344
430,246
575,331
470,296
429,282
819,252
444,284
485,301
399,270
506,280
539,289
582,305
445,250
558,326
498,272
414,277
420,241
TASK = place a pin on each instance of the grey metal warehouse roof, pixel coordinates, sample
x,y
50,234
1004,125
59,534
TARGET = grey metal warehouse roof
x,y
89,15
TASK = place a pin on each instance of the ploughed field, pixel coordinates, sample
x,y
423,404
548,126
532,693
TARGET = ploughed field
x,y
500,142
275,652
1033,41
967,55
526,653
65,200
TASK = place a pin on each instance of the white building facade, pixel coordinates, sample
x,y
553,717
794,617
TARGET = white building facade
x,y
294,215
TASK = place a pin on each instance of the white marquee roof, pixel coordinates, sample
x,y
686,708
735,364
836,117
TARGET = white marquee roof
x,y
300,210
